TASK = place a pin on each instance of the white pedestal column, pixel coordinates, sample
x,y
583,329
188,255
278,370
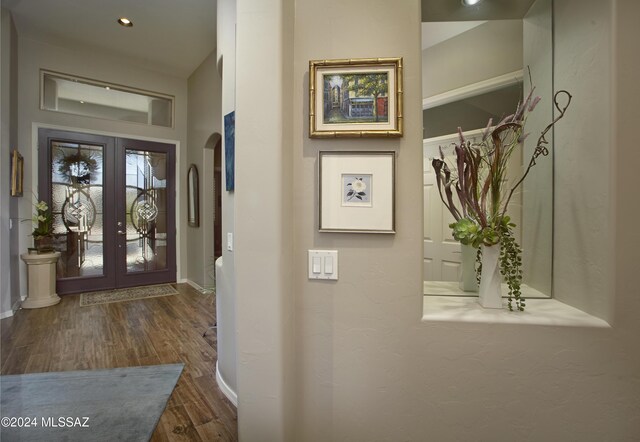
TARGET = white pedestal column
x,y
41,273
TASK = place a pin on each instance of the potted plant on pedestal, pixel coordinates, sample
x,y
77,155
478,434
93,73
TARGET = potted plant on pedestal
x,y
41,267
479,180
43,230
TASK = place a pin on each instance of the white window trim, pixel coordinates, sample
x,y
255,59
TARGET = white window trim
x,y
472,90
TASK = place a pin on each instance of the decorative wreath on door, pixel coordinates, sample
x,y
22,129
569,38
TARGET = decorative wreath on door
x,y
78,167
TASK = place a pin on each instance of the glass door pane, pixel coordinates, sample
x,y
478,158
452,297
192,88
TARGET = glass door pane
x,y
77,206
113,206
146,210
75,178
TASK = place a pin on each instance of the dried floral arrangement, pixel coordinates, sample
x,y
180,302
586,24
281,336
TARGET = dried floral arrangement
x,y
479,179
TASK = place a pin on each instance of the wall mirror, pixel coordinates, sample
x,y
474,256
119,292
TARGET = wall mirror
x,y
476,63
193,197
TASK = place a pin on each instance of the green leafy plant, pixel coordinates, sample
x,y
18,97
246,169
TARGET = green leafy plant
x,y
467,232
43,221
479,179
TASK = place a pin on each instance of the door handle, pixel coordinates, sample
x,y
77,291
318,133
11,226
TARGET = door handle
x,y
120,232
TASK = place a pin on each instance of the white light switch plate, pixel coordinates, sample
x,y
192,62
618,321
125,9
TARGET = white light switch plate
x,y
230,242
323,264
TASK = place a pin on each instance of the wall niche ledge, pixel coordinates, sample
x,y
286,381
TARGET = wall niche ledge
x,y
550,312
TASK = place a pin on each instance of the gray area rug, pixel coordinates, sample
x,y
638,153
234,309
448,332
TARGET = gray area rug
x,y
128,294
120,404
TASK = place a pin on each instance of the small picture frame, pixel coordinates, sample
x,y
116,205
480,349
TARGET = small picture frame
x,y
357,191
359,97
17,173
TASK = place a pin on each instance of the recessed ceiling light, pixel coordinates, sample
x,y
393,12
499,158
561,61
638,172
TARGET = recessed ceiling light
x,y
124,21
107,88
81,102
470,2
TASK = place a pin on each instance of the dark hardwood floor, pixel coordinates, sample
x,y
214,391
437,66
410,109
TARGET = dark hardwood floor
x,y
153,331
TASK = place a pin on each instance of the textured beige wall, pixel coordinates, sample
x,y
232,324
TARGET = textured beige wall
x,y
583,242
367,367
203,119
9,289
225,279
263,220
357,370
363,366
537,189
626,158
489,50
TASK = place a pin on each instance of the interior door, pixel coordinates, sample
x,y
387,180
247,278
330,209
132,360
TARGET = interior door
x,y
441,252
93,194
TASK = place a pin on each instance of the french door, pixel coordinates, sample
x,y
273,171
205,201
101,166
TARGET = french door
x,y
113,205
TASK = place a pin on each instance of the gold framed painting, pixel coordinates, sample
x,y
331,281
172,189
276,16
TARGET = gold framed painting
x,y
17,172
360,97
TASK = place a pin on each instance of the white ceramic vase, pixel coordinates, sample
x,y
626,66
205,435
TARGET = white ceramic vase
x,y
469,282
490,294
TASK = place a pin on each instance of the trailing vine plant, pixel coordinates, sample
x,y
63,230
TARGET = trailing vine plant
x,y
511,265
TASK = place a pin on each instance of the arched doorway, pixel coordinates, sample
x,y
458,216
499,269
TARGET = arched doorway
x,y
217,198
213,220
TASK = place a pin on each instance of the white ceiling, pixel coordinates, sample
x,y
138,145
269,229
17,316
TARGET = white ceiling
x,y
171,36
174,36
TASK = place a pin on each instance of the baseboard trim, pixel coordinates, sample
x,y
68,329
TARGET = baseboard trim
x,y
13,310
198,287
224,387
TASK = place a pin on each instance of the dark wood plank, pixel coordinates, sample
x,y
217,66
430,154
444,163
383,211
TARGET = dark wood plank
x,y
218,403
125,334
215,431
17,360
177,426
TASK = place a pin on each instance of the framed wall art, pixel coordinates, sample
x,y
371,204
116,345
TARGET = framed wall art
x,y
17,173
359,97
230,150
357,192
